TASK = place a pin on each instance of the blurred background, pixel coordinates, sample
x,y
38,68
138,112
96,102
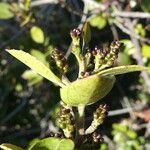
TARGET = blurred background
x,y
28,103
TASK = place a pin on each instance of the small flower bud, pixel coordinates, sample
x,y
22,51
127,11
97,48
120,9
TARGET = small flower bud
x,y
60,61
115,46
94,52
66,121
75,32
97,137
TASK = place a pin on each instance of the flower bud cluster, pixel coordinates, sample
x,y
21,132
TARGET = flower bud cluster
x,y
113,53
103,58
98,118
75,33
60,60
66,121
99,57
106,57
59,135
99,115
97,138
85,74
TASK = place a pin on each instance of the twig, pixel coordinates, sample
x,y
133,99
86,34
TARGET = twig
x,y
79,124
83,19
139,126
93,5
120,111
47,124
131,14
138,56
111,144
126,101
147,133
114,31
123,111
43,2
127,31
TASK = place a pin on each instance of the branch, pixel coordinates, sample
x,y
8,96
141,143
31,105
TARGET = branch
x,y
124,110
93,5
111,144
138,56
131,14
127,31
120,111
43,2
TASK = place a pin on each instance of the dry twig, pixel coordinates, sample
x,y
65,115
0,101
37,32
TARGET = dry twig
x,y
138,56
131,14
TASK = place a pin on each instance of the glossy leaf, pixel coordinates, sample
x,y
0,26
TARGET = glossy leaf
x,y
53,143
146,51
91,89
128,47
139,29
131,134
5,12
7,146
123,69
35,65
86,33
98,21
37,34
39,55
25,5
32,77
87,91
124,59
33,142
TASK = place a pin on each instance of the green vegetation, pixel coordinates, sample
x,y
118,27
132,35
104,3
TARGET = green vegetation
x,y
58,100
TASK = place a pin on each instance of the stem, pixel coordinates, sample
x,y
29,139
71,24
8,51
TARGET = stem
x,y
79,124
90,129
81,63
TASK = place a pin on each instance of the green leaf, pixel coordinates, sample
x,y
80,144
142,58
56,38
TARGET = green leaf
x,y
37,34
53,144
25,5
35,65
131,134
39,55
120,127
32,77
98,21
146,51
128,47
103,147
87,91
32,143
7,146
18,87
5,12
124,59
123,69
86,33
139,29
